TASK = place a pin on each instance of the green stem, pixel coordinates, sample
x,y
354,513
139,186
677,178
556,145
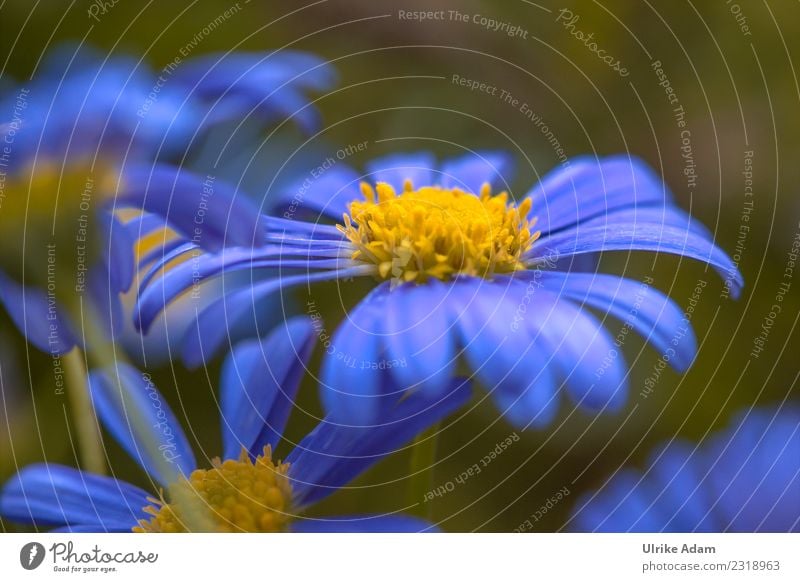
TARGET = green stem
x,y
423,457
103,354
90,443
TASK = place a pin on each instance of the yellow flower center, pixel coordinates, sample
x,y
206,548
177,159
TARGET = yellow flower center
x,y
52,208
233,496
438,232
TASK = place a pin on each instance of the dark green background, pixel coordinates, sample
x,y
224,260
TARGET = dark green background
x,y
740,94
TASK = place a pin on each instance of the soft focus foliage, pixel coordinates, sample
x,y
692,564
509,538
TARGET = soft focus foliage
x,y
401,89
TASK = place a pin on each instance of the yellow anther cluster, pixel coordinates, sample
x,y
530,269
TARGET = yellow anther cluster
x,y
437,232
233,496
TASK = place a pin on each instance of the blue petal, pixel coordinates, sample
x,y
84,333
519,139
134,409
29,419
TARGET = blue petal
x,y
332,455
275,105
588,187
202,211
639,236
38,317
351,390
161,252
754,472
419,341
83,105
53,494
204,339
259,382
104,103
395,169
213,328
143,224
745,479
234,85
652,314
667,215
583,350
119,260
534,404
624,504
287,103
138,417
675,476
471,171
182,252
169,285
212,74
575,264
176,280
506,358
159,246
328,195
364,524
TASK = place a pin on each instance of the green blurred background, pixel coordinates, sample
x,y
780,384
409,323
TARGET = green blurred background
x,y
732,69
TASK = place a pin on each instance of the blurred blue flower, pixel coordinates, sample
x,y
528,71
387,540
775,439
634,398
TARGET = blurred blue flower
x,y
82,101
743,479
86,170
463,277
245,491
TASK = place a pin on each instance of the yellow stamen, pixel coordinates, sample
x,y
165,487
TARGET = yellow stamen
x,y
437,232
236,496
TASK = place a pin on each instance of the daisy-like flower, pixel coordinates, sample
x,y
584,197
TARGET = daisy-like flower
x,y
247,489
465,277
745,478
84,171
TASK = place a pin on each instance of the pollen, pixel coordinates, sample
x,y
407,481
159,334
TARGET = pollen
x,y
433,232
241,495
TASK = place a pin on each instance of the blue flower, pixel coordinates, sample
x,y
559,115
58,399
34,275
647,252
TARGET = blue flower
x,y
465,277
245,491
90,138
743,479
82,101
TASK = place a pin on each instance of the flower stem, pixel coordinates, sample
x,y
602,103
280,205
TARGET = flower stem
x,y
90,444
423,458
